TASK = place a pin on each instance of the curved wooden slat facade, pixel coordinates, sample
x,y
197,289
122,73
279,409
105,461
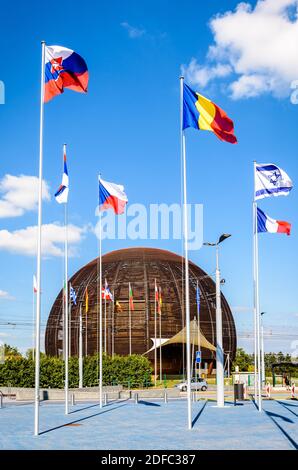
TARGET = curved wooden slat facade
x,y
140,267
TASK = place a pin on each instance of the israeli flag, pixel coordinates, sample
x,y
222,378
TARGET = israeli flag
x,y
270,180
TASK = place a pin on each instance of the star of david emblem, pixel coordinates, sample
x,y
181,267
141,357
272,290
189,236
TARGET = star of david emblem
x,y
274,177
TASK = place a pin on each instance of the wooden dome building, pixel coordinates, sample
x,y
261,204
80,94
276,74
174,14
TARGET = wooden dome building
x,y
140,267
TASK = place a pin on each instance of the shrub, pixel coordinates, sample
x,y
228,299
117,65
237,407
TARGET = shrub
x,y
20,372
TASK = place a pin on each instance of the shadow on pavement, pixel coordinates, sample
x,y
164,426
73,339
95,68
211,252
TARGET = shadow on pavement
x,y
285,405
82,419
289,438
147,403
199,413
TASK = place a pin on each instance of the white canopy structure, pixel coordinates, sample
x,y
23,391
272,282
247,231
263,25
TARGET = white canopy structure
x,y
180,337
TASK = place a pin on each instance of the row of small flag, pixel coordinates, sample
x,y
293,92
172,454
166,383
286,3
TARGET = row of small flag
x,y
106,294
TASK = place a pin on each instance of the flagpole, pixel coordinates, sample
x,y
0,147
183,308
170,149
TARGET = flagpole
x,y
100,313
81,349
193,346
257,384
86,334
66,300
255,303
129,318
199,336
33,319
105,328
160,353
185,236
155,334
113,322
258,315
38,270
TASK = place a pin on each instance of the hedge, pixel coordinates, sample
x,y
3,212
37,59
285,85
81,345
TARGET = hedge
x,y
125,370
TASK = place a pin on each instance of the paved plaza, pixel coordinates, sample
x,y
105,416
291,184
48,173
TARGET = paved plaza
x,y
151,425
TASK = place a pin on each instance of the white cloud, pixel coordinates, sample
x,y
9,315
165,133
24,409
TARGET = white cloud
x,y
5,295
241,309
201,75
24,241
255,47
20,194
132,31
6,335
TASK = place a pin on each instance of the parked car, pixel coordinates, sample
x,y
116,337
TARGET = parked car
x,y
196,384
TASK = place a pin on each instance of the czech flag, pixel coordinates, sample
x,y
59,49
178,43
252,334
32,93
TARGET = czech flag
x,y
112,196
62,193
266,224
64,68
202,114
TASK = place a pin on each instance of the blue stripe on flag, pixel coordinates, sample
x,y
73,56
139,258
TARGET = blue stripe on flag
x,y
260,192
267,168
261,221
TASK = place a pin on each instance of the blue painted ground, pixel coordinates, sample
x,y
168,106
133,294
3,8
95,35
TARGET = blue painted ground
x,y
151,425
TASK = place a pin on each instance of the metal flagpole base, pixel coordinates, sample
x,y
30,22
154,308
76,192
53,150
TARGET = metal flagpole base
x,y
221,407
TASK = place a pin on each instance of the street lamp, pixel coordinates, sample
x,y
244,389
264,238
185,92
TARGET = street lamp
x,y
262,348
219,342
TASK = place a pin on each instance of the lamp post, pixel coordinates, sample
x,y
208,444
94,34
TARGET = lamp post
x,y
262,349
219,342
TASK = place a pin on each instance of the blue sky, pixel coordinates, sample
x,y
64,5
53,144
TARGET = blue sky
x,y
127,128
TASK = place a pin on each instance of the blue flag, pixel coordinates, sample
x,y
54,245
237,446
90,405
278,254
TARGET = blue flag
x,y
73,295
198,299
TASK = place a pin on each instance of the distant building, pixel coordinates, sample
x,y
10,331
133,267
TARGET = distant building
x,y
140,267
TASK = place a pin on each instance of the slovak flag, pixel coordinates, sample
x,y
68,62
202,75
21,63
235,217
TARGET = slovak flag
x,y
111,196
64,68
266,224
61,194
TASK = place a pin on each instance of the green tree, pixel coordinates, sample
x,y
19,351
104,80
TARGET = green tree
x,y
11,351
243,360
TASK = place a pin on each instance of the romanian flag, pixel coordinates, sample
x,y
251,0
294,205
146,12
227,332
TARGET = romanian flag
x,y
118,306
131,305
203,114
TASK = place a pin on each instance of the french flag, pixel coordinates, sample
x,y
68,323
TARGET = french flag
x,y
267,224
64,68
112,196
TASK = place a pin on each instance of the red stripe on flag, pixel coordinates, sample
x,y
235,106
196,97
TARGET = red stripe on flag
x,y
284,227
